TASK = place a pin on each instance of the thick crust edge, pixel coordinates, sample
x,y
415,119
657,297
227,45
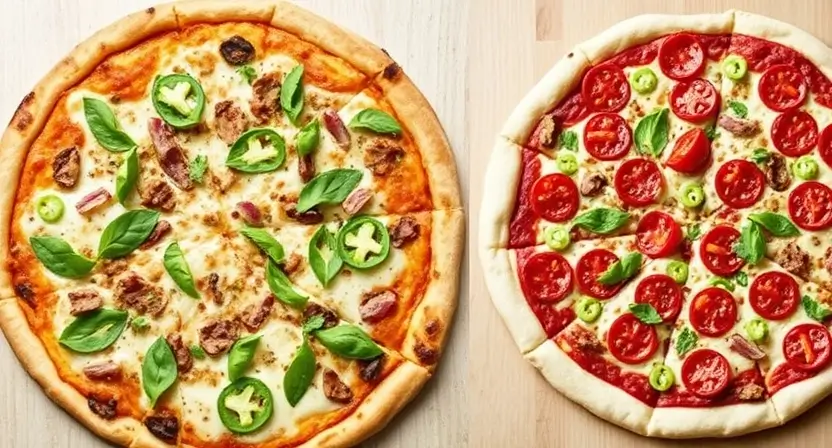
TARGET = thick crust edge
x,y
725,421
499,193
797,398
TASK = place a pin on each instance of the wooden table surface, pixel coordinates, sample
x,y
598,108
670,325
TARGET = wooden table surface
x,y
512,43
426,37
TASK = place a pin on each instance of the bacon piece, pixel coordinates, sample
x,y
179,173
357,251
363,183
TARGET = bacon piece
x,y
105,371
249,213
335,389
404,231
746,349
356,200
739,127
335,126
171,156
160,231
158,194
66,167
378,305
84,301
93,200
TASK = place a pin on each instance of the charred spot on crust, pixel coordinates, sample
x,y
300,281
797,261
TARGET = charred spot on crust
x,y
392,71
571,54
22,117
151,10
432,327
426,355
104,408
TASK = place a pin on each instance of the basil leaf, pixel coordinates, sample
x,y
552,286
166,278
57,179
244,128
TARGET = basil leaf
x,y
775,223
248,73
57,255
621,270
645,313
329,187
127,175
197,352
568,140
158,370
308,138
299,376
291,93
197,168
282,288
377,121
348,341
265,241
814,309
710,132
94,331
741,278
313,324
652,132
126,233
760,155
105,127
686,341
751,246
601,220
723,282
693,232
240,356
177,266
325,270
738,108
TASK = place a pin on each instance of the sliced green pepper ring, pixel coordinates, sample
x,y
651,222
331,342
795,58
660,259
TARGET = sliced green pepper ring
x,y
722,282
557,237
661,377
567,163
179,100
643,80
259,150
245,405
806,168
756,329
363,242
734,66
588,309
692,195
50,208
678,271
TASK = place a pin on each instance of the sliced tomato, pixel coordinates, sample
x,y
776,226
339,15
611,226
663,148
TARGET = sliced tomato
x,y
774,295
632,341
605,88
794,133
739,183
807,347
571,110
706,373
664,294
590,267
694,101
607,137
681,56
638,182
547,277
713,312
658,235
810,205
782,87
555,197
825,145
716,251
691,152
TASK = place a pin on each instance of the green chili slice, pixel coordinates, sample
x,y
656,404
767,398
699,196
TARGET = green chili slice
x,y
722,282
734,67
50,208
557,237
363,242
588,309
661,377
258,150
692,195
678,271
756,329
805,168
245,405
179,100
567,163
643,80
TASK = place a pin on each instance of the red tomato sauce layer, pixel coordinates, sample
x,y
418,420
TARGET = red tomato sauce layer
x,y
785,375
676,398
522,227
552,319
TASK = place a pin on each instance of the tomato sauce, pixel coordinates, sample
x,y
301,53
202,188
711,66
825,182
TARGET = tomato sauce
x,y
675,397
522,230
552,319
785,375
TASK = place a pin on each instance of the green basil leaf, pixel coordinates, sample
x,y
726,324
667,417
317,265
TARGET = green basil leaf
x,y
377,121
259,150
686,341
329,187
760,155
241,355
265,241
814,309
126,233
645,313
248,73
741,278
777,224
751,246
568,140
291,93
57,255
348,341
158,370
105,127
197,352
738,108
710,132
197,168
127,175
621,270
651,133
313,324
324,266
308,138
299,376
601,220
94,331
693,232
282,288
177,266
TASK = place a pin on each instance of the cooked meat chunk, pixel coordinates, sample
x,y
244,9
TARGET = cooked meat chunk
x,y
93,201
794,259
237,50
217,336
158,194
375,306
370,370
356,200
254,315
309,217
335,126
171,156
750,392
105,371
231,121
546,132
112,268
165,428
827,260
160,231
382,157
776,169
292,264
391,71
404,231
593,184
84,301
66,167
104,409
334,389
184,360
214,291
306,167
264,102
136,293
739,127
585,340
313,309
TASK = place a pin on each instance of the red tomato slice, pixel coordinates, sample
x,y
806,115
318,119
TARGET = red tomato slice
x,y
664,294
691,152
590,267
794,133
632,341
713,312
810,205
694,101
806,347
547,276
825,145
571,110
681,56
555,197
638,182
774,295
605,88
782,87
706,373
716,251
739,183
607,137
658,235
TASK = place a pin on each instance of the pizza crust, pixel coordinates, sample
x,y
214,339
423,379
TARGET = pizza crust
x,y
724,421
500,184
797,398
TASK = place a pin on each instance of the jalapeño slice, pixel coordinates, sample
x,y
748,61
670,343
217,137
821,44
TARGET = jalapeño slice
x,y
179,100
50,208
258,150
245,405
363,242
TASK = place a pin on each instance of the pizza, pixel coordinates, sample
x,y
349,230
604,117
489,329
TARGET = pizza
x,y
228,224
656,224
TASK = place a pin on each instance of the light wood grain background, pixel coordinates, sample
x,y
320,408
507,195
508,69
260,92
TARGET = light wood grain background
x,y
512,43
426,37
